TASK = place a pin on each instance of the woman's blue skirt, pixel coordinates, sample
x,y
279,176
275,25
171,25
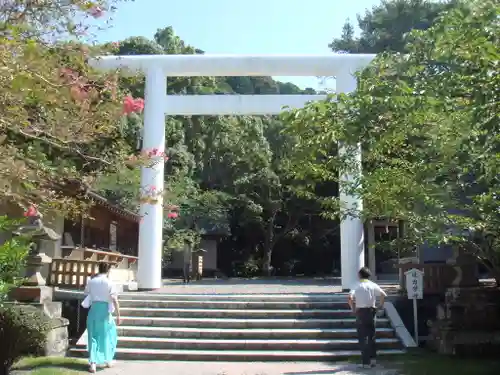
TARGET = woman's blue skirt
x,y
102,335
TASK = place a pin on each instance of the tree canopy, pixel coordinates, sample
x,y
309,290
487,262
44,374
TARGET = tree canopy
x,y
222,171
425,120
58,117
428,123
386,26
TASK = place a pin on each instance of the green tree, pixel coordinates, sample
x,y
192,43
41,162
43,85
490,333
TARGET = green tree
x,y
386,26
216,163
49,94
428,123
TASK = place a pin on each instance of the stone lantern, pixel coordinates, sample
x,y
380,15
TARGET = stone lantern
x,y
35,292
36,258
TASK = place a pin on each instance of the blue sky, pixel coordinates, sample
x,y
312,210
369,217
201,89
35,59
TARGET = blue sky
x,y
242,26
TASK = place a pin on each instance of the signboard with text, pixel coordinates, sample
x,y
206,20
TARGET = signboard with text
x,y
415,283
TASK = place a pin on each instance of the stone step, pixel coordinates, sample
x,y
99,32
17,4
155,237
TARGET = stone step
x,y
258,345
241,327
235,297
234,313
233,355
244,323
246,305
253,333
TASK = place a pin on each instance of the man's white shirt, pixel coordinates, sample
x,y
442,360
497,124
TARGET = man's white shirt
x,y
365,294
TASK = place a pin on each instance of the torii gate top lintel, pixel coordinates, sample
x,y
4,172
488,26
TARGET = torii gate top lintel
x,y
237,65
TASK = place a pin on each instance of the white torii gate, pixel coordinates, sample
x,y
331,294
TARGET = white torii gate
x,y
157,104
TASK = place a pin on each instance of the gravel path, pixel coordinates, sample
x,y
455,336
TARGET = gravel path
x,y
224,368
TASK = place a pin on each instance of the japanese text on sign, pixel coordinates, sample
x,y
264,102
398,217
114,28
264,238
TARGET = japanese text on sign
x,y
414,284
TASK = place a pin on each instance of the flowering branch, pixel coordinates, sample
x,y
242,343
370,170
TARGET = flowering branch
x,y
148,158
150,195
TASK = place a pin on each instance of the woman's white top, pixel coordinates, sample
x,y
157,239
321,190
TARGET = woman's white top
x,y
100,289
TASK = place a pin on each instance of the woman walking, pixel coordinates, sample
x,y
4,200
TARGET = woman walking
x,y
102,299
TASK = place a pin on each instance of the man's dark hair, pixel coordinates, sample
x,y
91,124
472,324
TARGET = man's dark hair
x,y
104,267
364,273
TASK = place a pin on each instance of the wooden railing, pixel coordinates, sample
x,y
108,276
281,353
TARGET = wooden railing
x,y
98,255
78,265
72,273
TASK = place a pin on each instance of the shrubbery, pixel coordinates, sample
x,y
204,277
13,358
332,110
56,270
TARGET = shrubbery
x,y
23,330
12,256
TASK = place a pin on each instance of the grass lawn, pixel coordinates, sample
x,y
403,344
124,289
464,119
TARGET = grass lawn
x,y
51,366
425,363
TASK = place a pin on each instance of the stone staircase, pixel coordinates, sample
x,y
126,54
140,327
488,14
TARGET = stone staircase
x,y
241,327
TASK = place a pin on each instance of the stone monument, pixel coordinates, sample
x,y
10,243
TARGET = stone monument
x,y
467,322
34,289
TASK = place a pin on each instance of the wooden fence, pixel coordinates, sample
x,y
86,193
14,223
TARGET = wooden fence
x,y
438,277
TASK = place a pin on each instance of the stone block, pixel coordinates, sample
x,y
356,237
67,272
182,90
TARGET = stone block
x,y
471,308
51,309
467,322
30,294
57,342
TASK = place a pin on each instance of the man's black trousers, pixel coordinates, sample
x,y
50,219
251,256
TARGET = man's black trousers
x,y
365,322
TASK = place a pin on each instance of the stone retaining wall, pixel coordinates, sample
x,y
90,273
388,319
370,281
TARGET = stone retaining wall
x,y
467,323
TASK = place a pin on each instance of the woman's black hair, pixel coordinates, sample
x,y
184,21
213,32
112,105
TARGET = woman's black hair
x,y
364,273
104,267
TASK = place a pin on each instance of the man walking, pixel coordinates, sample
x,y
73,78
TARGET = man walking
x,y
363,302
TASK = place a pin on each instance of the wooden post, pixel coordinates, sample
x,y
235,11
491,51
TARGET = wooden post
x,y
82,232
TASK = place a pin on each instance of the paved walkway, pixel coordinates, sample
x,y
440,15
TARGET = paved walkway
x,y
240,368
247,286
258,286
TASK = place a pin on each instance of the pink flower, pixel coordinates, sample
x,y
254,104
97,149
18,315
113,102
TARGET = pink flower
x,y
172,215
31,211
138,105
128,105
96,12
153,152
115,44
131,105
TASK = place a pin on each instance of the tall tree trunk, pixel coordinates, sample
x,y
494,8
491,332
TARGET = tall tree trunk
x,y
266,266
268,246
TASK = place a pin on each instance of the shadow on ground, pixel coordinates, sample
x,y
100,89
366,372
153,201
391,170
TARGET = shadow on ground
x,y
345,369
